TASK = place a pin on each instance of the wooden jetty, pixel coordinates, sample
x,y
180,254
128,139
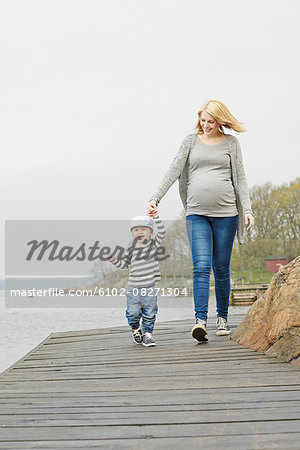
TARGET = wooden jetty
x,y
245,295
97,389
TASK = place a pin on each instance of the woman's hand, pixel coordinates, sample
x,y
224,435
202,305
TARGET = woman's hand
x,y
152,208
249,219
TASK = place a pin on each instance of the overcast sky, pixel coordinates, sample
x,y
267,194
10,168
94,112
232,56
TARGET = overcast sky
x,y
97,96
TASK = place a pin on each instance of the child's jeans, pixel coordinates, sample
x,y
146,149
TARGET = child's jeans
x,y
141,303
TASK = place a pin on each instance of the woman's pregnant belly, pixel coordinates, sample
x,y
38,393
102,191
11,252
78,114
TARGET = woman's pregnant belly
x,y
211,194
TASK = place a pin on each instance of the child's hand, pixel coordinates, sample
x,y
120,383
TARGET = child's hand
x,y
153,214
110,257
152,208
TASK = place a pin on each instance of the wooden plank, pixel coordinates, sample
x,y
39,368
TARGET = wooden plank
x,y
273,390
127,385
160,372
244,442
114,363
156,402
151,398
247,364
152,431
83,408
121,418
191,369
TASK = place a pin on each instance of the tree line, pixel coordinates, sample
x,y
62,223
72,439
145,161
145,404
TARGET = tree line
x,y
277,226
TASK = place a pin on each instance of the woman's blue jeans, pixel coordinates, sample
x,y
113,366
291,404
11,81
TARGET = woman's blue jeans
x,y
211,240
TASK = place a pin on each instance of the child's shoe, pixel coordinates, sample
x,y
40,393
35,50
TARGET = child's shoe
x,y
148,340
137,336
199,330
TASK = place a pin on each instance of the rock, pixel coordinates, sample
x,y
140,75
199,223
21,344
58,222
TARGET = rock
x,y
272,324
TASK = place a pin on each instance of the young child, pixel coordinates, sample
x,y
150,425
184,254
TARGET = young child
x,y
141,259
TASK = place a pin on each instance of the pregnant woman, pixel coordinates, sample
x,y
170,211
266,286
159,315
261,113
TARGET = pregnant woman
x,y
215,196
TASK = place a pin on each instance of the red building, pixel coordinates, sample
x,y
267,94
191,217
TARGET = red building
x,y
274,263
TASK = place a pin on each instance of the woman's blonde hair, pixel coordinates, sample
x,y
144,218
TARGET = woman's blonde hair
x,y
221,114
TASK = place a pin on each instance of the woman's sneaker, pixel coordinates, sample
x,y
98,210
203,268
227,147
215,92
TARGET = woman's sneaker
x,y
199,330
148,340
222,327
137,336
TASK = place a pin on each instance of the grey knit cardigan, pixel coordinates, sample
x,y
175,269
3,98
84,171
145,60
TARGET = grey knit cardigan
x,y
179,170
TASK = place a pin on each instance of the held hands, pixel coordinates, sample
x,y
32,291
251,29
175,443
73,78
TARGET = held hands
x,y
152,209
249,219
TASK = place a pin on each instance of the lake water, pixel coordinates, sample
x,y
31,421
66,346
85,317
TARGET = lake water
x,y
21,329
